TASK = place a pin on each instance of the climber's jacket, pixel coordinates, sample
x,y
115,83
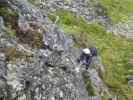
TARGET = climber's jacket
x,y
86,56
93,51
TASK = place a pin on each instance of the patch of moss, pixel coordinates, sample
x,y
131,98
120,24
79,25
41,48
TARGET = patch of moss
x,y
10,31
10,18
114,51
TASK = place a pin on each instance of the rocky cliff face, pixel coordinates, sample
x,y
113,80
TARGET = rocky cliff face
x,y
39,62
89,10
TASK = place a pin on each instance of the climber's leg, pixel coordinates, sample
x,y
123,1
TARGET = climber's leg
x,y
87,66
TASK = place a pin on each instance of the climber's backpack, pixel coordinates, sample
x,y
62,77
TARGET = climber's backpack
x,y
93,51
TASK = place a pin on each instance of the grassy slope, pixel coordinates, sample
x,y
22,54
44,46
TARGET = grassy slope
x,y
118,10
115,51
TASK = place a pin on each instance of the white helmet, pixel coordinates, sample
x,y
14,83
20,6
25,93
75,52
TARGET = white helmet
x,y
86,51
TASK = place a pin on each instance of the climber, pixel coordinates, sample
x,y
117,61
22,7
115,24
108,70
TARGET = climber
x,y
86,56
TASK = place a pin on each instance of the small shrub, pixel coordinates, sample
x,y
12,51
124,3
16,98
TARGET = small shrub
x,y
32,36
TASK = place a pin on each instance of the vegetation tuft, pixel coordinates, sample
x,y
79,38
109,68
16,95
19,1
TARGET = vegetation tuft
x,y
10,18
89,87
32,1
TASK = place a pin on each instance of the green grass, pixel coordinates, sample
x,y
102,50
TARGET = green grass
x,y
89,87
118,10
115,51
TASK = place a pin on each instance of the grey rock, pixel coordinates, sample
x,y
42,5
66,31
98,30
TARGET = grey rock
x,y
123,29
3,86
3,72
1,23
23,24
98,84
97,61
130,83
28,10
3,67
130,77
2,57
